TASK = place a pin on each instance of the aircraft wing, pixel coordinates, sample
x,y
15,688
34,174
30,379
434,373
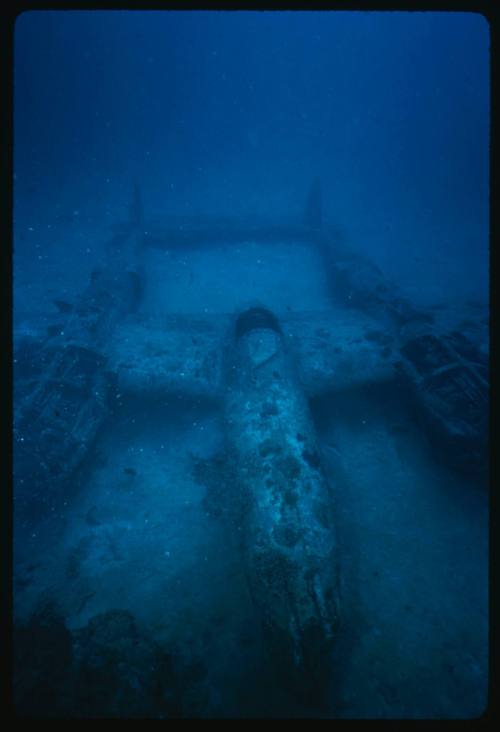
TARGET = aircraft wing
x,y
338,350
173,354
182,354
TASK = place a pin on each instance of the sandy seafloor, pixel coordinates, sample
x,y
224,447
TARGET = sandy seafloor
x,y
413,534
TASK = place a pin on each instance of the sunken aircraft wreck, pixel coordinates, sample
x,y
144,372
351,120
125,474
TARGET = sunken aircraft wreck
x,y
261,369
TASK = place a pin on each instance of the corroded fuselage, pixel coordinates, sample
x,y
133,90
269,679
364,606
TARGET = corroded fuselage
x,y
289,542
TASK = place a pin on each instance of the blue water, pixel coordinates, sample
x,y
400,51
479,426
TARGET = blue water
x,y
234,114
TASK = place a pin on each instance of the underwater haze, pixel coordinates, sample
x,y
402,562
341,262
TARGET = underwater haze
x,y
251,266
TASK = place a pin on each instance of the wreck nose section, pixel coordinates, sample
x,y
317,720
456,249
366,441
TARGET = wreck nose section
x,y
256,318
258,341
289,544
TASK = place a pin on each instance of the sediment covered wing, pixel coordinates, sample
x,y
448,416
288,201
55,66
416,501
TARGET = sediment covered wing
x,y
182,354
338,351
173,354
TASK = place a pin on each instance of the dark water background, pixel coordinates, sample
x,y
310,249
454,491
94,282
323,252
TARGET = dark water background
x,y
239,111
236,113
